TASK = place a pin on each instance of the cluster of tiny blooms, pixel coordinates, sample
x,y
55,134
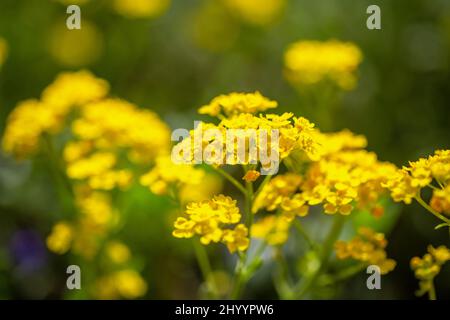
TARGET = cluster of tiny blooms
x,y
105,139
344,175
367,247
256,12
211,220
167,176
429,266
31,119
309,62
272,229
3,51
237,111
408,181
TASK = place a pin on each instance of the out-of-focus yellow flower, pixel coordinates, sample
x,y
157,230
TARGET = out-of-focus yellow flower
x,y
256,12
429,266
235,103
210,185
309,62
118,252
60,239
125,283
367,247
208,219
77,2
141,8
272,229
32,118
167,174
76,47
114,123
3,51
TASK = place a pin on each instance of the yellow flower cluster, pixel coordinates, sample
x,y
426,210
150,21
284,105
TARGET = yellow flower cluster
x,y
309,62
3,51
82,235
166,174
279,193
407,182
32,118
429,266
339,179
272,229
368,247
208,219
235,103
126,283
344,174
256,12
293,133
141,8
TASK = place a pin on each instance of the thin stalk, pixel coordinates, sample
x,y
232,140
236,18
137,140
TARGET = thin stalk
x,y
236,183
326,251
430,209
205,266
304,234
432,291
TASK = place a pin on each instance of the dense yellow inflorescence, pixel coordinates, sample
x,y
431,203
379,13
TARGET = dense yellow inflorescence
x,y
429,266
367,247
211,220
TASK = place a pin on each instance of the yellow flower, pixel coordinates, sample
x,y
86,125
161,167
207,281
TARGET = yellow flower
x,y
235,103
236,239
118,252
309,62
273,193
272,229
367,247
441,200
429,266
209,220
167,173
251,175
141,8
126,283
60,239
256,12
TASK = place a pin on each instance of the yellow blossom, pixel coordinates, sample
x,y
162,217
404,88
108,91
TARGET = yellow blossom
x,y
309,62
368,247
235,103
272,229
428,267
256,12
118,252
60,238
251,175
141,8
209,220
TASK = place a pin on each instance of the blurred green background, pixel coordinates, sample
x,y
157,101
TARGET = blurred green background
x,y
179,60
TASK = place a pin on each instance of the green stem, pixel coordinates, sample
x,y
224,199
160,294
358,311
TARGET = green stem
x,y
304,234
205,267
227,176
430,209
248,204
432,291
326,251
